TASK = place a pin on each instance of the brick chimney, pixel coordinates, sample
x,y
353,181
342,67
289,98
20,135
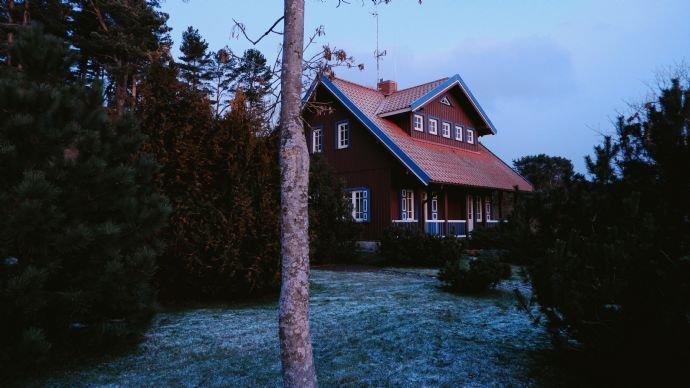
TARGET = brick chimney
x,y
387,87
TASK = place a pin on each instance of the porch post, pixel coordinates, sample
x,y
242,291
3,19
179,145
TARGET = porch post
x,y
420,211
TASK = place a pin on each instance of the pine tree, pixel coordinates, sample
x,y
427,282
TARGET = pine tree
x,y
224,63
197,63
80,215
254,79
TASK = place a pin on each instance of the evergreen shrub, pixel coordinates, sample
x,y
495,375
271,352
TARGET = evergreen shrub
x,y
474,274
80,217
407,246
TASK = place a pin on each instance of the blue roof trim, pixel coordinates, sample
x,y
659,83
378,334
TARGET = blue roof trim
x,y
400,154
307,95
447,84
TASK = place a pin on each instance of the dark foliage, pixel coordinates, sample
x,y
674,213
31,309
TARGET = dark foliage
x,y
332,231
546,172
409,246
196,67
222,181
115,39
78,208
612,257
474,274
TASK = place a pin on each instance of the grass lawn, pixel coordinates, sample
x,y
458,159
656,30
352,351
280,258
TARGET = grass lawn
x,y
382,328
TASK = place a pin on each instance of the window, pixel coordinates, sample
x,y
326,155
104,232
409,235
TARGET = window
x,y
316,139
445,100
478,207
360,203
407,205
434,208
487,205
343,135
458,133
418,124
433,126
470,136
445,129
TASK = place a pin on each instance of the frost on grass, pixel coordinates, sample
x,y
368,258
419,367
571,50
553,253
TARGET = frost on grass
x,y
393,327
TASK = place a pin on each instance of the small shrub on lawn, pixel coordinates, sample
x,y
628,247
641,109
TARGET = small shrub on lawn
x,y
474,274
406,246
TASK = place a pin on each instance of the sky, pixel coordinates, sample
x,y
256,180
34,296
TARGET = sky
x,y
551,75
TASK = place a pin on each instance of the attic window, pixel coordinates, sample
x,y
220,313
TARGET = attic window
x,y
419,123
445,129
445,101
433,126
470,136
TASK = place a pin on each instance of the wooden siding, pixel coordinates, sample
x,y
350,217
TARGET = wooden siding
x,y
365,163
456,114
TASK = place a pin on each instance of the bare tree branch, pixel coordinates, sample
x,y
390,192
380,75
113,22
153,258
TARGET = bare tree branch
x,y
241,27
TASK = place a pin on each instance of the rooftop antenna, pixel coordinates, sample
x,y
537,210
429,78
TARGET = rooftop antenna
x,y
378,54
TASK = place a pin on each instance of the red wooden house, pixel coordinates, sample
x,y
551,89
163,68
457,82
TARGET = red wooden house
x,y
411,157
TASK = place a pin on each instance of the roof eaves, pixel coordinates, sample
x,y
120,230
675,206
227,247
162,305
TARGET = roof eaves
x,y
529,187
309,92
394,112
380,135
447,84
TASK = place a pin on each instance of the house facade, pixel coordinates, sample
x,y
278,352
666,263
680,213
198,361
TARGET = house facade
x,y
411,157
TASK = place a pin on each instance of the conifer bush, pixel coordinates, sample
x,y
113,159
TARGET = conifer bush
x,y
78,208
474,274
409,246
332,231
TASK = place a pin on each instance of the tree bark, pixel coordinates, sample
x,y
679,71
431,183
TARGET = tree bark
x,y
295,340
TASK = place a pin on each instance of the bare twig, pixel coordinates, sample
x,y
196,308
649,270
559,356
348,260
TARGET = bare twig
x,y
241,27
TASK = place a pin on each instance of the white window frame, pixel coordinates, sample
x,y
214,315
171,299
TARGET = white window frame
x,y
445,101
407,205
433,129
470,136
478,207
342,129
445,129
316,134
434,208
458,132
420,127
487,208
359,197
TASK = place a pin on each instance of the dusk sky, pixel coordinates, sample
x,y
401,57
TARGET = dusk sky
x,y
551,75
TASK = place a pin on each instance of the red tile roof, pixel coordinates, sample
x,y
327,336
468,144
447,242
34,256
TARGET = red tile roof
x,y
444,164
404,98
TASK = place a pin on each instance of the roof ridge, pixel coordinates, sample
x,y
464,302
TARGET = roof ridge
x,y
357,84
424,84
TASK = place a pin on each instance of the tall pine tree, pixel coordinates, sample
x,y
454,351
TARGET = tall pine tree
x,y
78,207
197,63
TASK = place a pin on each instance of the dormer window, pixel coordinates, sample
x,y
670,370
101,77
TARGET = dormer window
x,y
470,136
445,100
458,132
418,124
433,126
343,134
445,129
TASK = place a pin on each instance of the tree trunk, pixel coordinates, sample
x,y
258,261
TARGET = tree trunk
x,y
295,341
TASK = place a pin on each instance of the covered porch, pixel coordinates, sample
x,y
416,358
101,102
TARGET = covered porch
x,y
450,210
